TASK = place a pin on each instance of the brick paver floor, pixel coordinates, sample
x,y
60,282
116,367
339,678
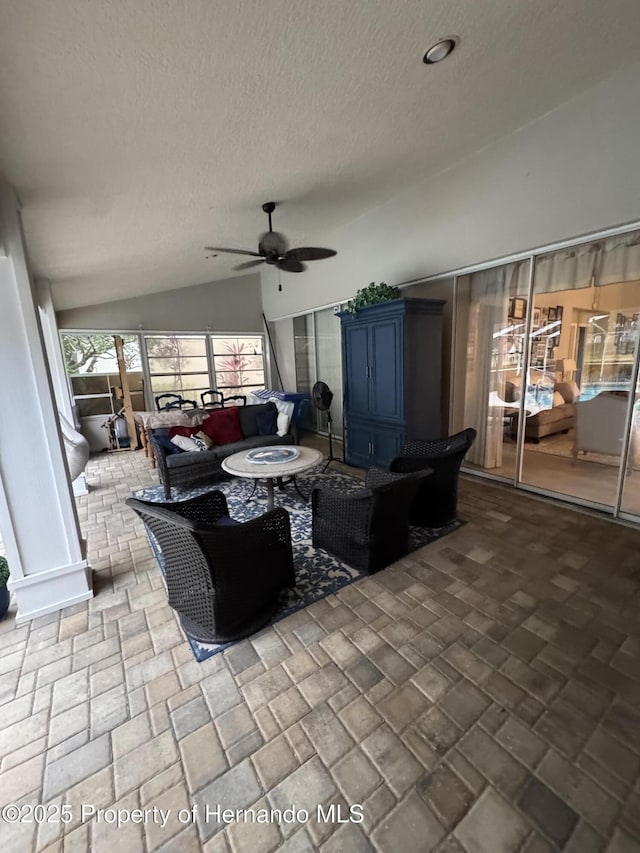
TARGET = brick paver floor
x,y
481,695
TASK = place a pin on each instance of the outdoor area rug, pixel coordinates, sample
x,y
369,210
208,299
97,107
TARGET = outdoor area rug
x,y
318,573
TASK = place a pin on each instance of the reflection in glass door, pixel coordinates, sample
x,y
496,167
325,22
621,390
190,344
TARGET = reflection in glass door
x,y
305,359
329,365
491,317
585,325
318,357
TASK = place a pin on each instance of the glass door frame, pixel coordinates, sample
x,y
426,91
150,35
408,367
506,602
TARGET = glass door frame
x,y
611,510
624,456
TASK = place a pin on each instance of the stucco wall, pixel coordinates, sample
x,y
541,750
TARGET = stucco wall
x,y
229,305
571,172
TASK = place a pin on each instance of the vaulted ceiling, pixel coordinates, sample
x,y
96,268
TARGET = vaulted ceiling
x,y
137,132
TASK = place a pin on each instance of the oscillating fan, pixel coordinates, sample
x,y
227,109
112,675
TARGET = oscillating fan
x,y
322,397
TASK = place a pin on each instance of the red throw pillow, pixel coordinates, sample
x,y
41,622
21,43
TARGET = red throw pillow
x,y
223,426
182,430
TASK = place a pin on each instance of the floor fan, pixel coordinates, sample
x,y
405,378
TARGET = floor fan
x,y
322,396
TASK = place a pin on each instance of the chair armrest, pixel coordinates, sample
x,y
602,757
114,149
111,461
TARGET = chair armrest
x,y
204,509
274,524
377,477
324,496
160,455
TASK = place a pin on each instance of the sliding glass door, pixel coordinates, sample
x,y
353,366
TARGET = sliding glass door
x,y
582,350
318,357
329,365
630,496
546,359
491,317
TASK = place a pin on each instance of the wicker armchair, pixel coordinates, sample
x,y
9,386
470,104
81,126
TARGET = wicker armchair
x,y
369,528
223,578
437,500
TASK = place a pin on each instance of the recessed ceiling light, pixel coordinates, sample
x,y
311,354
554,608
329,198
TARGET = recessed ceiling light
x,y
439,51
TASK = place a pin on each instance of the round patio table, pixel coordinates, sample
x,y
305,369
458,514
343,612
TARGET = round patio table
x,y
238,465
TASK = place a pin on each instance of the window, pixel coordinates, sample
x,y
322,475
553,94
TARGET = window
x,y
238,363
92,367
185,364
178,364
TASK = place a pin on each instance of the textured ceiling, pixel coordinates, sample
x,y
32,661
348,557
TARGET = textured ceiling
x,y
137,132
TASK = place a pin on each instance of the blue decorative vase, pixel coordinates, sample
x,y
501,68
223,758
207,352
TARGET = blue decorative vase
x,y
4,601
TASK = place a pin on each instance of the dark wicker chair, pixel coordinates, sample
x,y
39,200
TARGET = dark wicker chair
x,y
368,528
436,503
223,578
217,399
238,397
174,401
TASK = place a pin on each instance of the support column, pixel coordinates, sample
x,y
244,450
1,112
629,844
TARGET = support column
x,y
38,517
55,362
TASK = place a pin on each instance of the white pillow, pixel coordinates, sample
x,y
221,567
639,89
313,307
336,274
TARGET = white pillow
x,y
186,443
558,399
283,423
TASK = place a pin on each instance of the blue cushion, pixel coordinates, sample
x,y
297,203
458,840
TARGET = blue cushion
x,y
165,442
226,521
267,422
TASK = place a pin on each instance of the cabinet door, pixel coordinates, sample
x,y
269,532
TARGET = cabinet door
x,y
385,363
358,445
356,354
385,444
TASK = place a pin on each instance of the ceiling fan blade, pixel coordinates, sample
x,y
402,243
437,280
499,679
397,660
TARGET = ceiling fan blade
x,y
272,242
310,253
248,264
233,251
291,265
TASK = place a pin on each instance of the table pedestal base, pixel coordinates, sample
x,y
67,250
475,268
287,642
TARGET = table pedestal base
x,y
270,489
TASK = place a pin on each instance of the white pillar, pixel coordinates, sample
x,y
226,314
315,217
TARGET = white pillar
x,y
38,517
55,360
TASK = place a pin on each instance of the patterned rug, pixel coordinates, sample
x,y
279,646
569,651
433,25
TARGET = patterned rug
x,y
318,573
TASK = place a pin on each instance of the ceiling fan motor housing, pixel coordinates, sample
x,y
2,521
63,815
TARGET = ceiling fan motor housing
x,y
273,249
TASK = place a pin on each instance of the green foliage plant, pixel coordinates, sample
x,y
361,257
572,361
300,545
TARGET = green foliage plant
x,y
372,295
4,572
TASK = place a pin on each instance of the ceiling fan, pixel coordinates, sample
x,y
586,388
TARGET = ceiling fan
x,y
272,249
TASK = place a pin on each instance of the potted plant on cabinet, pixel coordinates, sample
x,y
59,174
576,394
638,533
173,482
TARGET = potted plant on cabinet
x,y
4,592
373,294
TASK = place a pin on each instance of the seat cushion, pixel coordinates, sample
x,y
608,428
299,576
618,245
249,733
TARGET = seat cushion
x,y
569,391
227,521
248,417
553,415
223,426
191,457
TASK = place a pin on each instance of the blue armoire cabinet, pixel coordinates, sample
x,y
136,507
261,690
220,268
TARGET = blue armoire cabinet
x,y
391,362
